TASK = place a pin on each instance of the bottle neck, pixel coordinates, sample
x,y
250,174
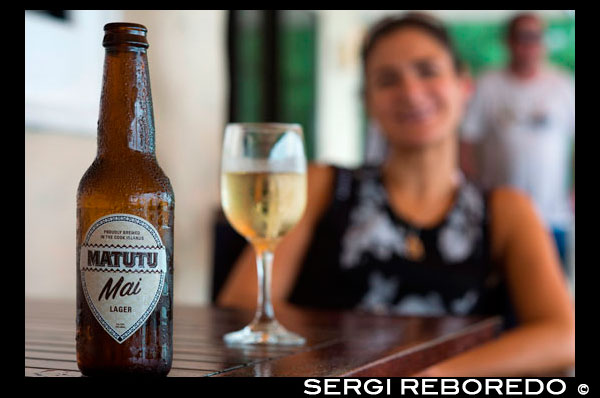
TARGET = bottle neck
x,y
126,122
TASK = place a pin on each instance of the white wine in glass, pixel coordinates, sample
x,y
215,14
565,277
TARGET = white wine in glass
x,y
263,194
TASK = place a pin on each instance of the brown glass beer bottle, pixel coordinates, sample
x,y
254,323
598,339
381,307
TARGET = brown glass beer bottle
x,y
125,214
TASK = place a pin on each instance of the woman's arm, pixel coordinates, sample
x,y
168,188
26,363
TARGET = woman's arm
x,y
544,341
240,289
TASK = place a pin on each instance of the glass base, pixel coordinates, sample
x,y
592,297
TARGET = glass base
x,y
268,333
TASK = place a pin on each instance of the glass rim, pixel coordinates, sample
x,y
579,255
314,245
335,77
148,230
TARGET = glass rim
x,y
266,126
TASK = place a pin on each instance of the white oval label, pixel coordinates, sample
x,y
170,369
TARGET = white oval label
x,y
123,265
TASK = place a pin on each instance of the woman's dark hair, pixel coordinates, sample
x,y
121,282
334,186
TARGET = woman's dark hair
x,y
425,22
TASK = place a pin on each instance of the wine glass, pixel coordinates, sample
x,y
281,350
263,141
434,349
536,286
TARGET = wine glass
x,y
263,194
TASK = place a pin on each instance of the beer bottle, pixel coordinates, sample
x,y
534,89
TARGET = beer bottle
x,y
125,213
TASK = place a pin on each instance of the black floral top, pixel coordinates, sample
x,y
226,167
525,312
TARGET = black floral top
x,y
363,256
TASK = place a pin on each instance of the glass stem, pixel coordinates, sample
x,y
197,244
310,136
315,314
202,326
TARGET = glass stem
x,y
264,309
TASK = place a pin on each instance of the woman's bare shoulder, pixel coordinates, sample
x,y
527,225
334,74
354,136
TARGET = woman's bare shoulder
x,y
320,171
512,212
320,188
509,202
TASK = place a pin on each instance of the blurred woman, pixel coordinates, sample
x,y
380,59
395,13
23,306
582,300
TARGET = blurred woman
x,y
413,236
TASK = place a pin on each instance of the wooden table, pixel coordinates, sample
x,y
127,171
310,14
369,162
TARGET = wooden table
x,y
338,343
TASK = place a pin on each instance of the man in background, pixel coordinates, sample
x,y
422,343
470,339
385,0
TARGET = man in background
x,y
520,128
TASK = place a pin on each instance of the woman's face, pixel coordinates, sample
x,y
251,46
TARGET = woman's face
x,y
412,88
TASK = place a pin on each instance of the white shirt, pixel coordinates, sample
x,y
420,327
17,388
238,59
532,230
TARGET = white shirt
x,y
523,130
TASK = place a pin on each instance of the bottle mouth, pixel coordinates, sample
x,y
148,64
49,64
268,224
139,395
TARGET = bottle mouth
x,y
125,34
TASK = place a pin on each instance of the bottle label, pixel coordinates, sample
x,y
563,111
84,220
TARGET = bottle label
x,y
123,266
